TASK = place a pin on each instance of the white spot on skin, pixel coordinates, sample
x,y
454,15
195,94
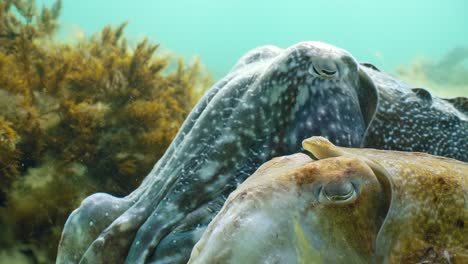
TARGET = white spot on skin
x,y
302,99
209,170
227,138
124,223
293,138
275,92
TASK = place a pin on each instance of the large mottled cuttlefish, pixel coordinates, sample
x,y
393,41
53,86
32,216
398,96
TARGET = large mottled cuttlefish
x,y
270,101
350,206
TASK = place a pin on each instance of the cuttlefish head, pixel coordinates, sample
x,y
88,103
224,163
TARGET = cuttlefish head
x,y
350,206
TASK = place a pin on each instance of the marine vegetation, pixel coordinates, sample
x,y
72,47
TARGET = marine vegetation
x,y
272,99
78,118
350,206
447,77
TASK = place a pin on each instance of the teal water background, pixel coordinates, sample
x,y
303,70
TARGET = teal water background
x,y
386,33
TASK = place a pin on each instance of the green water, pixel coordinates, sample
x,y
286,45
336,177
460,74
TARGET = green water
x,y
387,33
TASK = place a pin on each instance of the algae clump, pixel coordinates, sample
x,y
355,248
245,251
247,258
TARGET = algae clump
x,y
78,118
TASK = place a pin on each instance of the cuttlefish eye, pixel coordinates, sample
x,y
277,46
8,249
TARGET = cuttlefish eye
x,y
325,70
337,192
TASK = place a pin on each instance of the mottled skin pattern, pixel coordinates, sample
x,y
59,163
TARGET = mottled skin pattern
x,y
411,119
428,209
350,206
268,103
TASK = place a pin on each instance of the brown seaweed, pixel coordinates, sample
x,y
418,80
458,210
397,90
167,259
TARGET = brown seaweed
x,y
78,118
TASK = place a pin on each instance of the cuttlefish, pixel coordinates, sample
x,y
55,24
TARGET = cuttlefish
x,y
270,101
350,206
